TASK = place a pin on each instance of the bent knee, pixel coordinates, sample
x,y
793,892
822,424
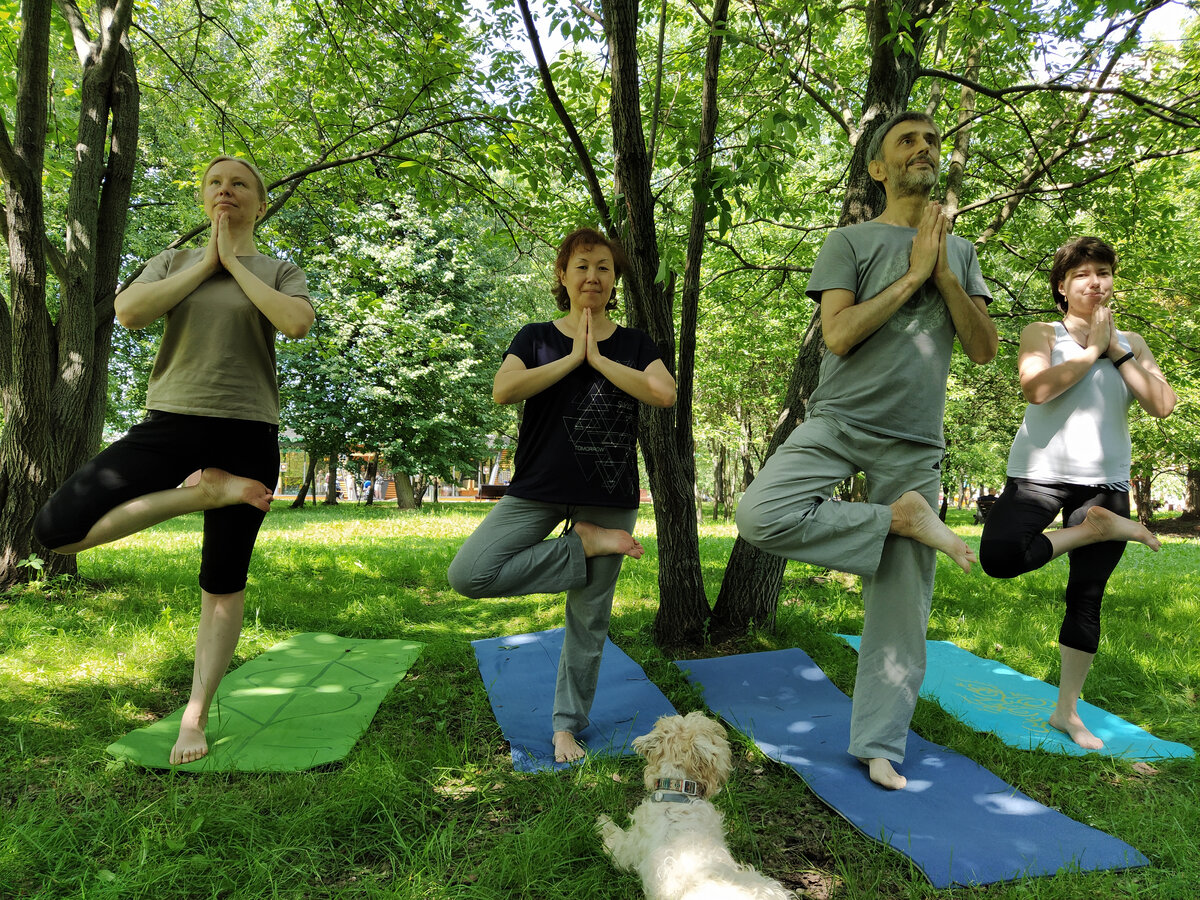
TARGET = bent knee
x,y
1002,559
53,535
463,579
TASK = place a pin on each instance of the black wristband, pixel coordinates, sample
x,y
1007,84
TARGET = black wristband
x,y
1124,359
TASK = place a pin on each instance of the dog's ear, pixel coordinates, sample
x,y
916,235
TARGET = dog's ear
x,y
648,744
709,759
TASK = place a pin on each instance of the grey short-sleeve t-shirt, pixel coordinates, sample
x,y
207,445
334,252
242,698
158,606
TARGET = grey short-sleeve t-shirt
x,y
894,382
217,356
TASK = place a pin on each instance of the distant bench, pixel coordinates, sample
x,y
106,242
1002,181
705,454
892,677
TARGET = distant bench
x,y
492,491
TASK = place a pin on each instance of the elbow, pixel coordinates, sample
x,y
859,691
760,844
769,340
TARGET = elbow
x,y
128,318
299,327
1166,407
836,345
984,355
664,397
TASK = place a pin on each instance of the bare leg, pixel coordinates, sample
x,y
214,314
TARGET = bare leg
x,y
912,517
215,488
1100,524
566,748
599,541
883,774
216,639
1075,667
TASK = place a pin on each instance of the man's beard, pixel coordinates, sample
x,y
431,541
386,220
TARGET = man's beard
x,y
910,182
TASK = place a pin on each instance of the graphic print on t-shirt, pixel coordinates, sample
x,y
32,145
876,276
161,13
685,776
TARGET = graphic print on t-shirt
x,y
601,434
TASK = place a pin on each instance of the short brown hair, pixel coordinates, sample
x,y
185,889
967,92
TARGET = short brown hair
x,y
586,238
1071,254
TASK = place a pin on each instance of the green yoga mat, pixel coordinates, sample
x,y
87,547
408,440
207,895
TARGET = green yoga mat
x,y
303,703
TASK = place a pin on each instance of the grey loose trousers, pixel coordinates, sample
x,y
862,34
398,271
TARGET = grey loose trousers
x,y
508,556
786,511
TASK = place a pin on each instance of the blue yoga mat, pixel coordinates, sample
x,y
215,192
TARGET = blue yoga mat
x,y
519,673
959,823
989,696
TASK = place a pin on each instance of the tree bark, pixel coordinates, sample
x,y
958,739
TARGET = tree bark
x,y
310,476
665,434
1142,497
1192,504
54,378
331,484
405,498
372,470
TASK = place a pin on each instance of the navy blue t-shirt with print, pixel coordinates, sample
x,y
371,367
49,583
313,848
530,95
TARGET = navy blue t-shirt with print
x,y
578,437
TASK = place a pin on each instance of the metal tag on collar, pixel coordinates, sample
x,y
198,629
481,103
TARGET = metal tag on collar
x,y
671,797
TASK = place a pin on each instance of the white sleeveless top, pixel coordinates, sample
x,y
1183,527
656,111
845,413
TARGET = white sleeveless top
x,y
1082,435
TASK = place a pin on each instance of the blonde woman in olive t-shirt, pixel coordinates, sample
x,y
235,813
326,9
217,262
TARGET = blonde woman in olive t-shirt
x,y
212,420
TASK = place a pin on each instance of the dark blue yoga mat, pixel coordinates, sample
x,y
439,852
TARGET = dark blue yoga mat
x,y
519,673
990,696
959,823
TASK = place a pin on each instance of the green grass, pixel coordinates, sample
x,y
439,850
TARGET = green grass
x,y
427,804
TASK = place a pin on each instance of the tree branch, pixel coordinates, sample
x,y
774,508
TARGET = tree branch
x,y
585,160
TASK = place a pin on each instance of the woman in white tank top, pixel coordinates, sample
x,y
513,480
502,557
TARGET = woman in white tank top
x,y
1072,454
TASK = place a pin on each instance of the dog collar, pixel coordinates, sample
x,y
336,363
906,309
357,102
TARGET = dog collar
x,y
672,797
690,789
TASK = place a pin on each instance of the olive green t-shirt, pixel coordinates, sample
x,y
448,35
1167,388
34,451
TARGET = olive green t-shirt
x,y
217,356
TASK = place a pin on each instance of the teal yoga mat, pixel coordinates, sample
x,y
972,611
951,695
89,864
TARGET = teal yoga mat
x,y
990,696
302,703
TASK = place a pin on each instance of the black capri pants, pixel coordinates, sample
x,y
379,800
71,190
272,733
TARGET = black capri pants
x,y
158,454
1013,544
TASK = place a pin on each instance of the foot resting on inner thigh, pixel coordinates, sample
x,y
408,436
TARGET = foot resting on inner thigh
x,y
599,541
219,488
1111,527
913,518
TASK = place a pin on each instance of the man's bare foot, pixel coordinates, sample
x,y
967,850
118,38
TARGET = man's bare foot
x,y
192,744
1073,727
599,541
1111,527
223,489
883,774
566,748
913,518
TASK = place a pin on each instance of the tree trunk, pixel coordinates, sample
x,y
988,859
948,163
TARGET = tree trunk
x,y
331,485
750,586
405,499
310,477
1142,497
666,434
54,372
1192,508
372,471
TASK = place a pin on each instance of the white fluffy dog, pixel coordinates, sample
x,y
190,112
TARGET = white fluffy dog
x,y
676,842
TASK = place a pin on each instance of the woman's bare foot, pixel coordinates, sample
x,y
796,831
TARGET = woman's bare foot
x,y
1111,527
913,518
192,744
223,489
883,774
599,541
566,748
1073,726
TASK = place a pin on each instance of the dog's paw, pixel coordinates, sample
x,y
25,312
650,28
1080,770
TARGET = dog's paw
x,y
608,830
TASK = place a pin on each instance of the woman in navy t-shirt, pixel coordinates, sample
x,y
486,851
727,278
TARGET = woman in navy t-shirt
x,y
582,377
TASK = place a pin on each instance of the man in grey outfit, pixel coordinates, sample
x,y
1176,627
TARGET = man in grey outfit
x,y
894,293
